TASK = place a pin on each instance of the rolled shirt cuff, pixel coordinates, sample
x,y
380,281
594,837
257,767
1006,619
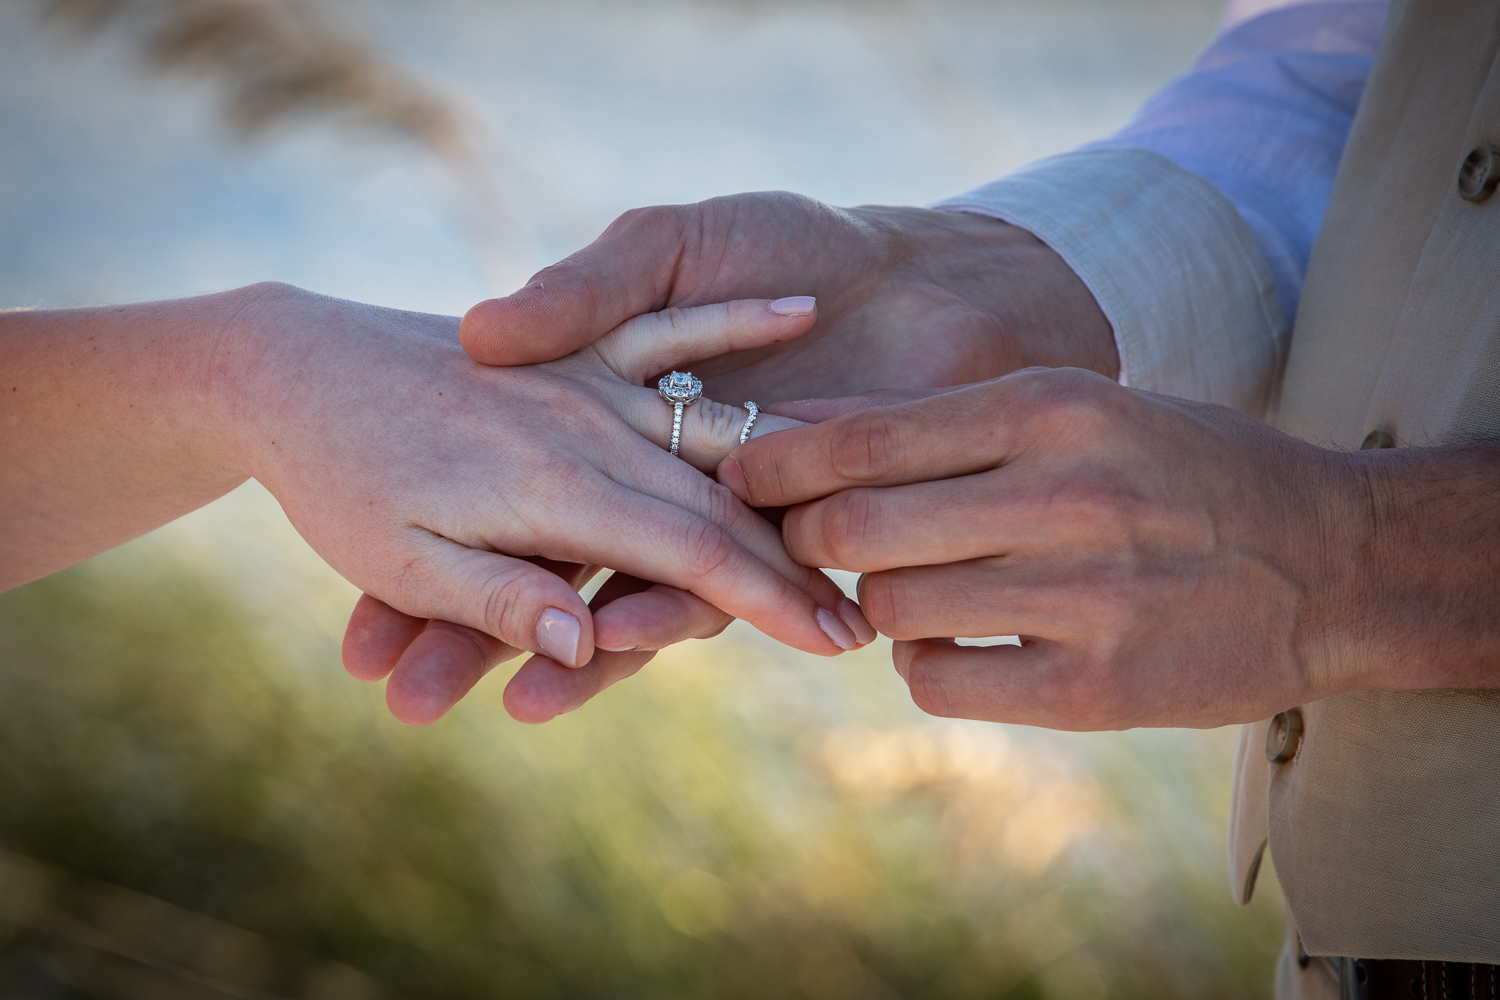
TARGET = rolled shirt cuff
x,y
1170,262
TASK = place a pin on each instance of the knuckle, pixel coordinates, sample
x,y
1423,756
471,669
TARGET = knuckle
x,y
646,217
867,448
929,687
408,582
705,549
504,605
1074,403
719,423
881,598
720,506
1080,696
847,523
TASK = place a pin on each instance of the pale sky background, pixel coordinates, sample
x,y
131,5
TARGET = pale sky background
x,y
117,184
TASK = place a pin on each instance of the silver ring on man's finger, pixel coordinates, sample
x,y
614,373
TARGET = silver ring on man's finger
x,y
749,421
681,390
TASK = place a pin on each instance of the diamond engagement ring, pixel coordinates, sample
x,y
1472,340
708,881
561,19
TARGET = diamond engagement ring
x,y
749,421
681,390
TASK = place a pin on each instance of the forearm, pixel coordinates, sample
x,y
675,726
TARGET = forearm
x,y
111,426
1427,595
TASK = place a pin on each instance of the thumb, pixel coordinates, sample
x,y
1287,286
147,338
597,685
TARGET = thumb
x,y
630,269
513,600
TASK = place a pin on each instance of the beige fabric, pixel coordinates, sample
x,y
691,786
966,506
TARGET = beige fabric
x,y
1315,979
1385,828
1170,261
1248,820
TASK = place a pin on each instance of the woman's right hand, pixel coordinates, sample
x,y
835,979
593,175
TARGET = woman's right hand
x,y
444,488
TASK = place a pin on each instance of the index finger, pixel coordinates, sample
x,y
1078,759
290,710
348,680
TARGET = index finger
x,y
953,434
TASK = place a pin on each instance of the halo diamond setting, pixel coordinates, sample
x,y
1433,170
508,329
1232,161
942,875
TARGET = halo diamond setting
x,y
681,390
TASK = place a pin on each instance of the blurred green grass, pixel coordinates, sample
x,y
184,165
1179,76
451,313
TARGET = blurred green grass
x,y
196,801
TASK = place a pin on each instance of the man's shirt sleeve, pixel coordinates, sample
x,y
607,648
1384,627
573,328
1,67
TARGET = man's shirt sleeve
x,y
1192,226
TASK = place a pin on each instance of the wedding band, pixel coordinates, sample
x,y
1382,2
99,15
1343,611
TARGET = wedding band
x,y
749,421
681,390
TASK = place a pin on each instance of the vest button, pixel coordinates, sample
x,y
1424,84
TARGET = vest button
x,y
1380,438
1480,174
1284,736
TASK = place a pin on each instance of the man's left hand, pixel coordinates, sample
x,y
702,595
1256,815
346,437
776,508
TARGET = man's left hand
x,y
1165,562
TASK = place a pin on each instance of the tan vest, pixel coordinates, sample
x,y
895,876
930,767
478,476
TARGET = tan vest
x,y
1385,826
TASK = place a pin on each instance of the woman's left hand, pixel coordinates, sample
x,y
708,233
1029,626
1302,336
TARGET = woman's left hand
x,y
432,664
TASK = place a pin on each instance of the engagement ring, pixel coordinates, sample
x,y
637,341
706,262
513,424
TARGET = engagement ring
x,y
681,390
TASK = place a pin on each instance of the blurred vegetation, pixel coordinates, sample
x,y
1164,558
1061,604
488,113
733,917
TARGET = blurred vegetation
x,y
193,806
273,61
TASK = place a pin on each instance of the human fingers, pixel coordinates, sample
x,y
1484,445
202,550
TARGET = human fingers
x,y
951,434
710,430
815,411
512,600
376,637
1038,683
665,478
629,612
754,245
574,302
543,689
664,540
976,599
654,617
651,343
441,665
868,529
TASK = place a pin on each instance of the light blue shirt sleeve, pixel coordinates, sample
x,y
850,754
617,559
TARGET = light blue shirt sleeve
x,y
1193,224
1263,116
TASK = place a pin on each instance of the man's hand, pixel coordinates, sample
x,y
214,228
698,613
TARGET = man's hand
x,y
1166,563
907,298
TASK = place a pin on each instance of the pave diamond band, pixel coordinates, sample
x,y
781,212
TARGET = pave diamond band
x,y
749,421
681,390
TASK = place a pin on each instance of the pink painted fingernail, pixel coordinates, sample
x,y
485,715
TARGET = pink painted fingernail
x,y
793,305
856,620
557,633
833,626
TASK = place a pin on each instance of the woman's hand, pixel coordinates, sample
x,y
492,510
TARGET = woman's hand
x,y
432,664
443,488
1165,562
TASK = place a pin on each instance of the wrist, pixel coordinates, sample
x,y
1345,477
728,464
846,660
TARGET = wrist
x,y
1041,311
253,369
1423,583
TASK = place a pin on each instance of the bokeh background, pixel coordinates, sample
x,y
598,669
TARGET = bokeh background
x,y
196,802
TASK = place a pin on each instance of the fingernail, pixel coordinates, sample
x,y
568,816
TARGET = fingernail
x,y
794,305
856,620
616,649
732,476
557,633
833,626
